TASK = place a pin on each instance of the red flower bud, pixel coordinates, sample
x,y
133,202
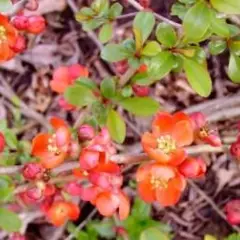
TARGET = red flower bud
x,y
232,209
145,3
192,168
86,132
37,24
73,188
89,159
121,67
65,105
20,44
32,171
17,236
76,71
2,142
235,149
34,193
20,22
49,190
142,69
141,91
32,5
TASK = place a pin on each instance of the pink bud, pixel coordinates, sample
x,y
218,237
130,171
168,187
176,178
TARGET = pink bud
x,y
65,105
76,71
198,120
37,24
89,159
232,209
73,188
86,132
141,91
2,142
34,193
20,44
32,171
235,150
17,236
20,22
74,149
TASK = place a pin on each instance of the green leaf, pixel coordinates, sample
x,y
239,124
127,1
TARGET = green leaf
x,y
219,25
198,77
84,14
99,112
144,23
115,10
105,33
234,47
114,53
92,24
5,5
226,6
141,210
11,139
234,30
197,21
100,6
86,82
6,188
153,234
189,2
104,228
152,48
179,10
127,91
158,67
79,96
108,87
166,34
140,106
234,68
9,221
209,237
217,46
234,236
116,126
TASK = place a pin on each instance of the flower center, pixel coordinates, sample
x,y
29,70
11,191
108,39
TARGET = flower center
x,y
52,146
158,182
166,144
2,33
204,131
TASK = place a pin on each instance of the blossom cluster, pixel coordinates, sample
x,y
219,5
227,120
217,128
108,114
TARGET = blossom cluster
x,y
163,179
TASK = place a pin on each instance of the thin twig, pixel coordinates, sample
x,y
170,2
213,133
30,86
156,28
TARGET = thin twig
x,y
126,77
211,203
158,16
82,224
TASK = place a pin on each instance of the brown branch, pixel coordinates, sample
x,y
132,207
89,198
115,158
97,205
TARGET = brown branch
x,y
211,203
158,16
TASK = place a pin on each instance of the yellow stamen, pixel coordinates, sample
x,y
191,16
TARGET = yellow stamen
x,y
166,144
158,182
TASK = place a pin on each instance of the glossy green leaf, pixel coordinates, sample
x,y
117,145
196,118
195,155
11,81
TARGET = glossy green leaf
x,y
86,82
105,33
219,25
100,6
84,14
158,67
99,113
115,10
9,221
11,139
197,21
233,236
198,77
216,47
140,106
179,10
104,228
153,234
226,6
144,23
92,24
127,91
234,30
234,47
151,49
108,87
140,209
80,96
114,53
6,188
234,68
5,5
166,34
116,126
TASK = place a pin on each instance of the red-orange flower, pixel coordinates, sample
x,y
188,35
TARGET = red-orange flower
x,y
8,38
202,130
108,203
63,77
52,149
162,183
62,211
170,133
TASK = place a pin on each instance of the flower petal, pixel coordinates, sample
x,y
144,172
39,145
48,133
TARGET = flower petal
x,y
51,161
124,206
163,172
146,191
183,133
177,157
162,124
57,123
40,145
